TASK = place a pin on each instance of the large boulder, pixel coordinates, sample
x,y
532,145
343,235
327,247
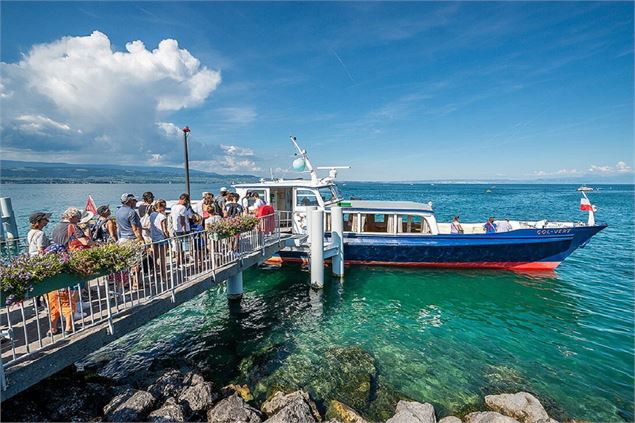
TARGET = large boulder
x,y
298,401
450,419
488,417
413,412
342,412
170,411
233,409
522,406
197,399
169,384
129,406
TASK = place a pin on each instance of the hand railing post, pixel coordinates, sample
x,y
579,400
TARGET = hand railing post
x,y
111,327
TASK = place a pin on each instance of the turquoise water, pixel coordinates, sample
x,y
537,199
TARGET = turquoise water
x,y
446,337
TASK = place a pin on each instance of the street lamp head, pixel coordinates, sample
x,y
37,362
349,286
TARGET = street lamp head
x,y
186,129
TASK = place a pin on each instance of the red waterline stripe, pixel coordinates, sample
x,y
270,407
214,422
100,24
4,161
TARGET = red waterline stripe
x,y
513,265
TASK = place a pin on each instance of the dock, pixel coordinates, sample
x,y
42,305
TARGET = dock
x,y
116,304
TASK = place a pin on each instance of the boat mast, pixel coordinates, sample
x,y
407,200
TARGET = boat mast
x,y
307,163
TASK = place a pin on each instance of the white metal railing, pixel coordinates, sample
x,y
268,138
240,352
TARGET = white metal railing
x,y
34,323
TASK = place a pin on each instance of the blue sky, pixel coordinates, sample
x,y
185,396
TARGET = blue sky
x,y
399,91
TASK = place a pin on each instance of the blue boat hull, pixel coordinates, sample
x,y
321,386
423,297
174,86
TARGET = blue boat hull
x,y
524,249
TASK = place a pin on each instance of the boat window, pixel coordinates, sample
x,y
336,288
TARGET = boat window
x,y
305,197
328,194
410,224
377,222
350,222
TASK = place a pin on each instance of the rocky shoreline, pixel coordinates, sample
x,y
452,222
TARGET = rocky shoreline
x,y
178,395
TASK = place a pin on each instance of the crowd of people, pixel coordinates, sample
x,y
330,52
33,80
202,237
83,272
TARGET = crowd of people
x,y
145,222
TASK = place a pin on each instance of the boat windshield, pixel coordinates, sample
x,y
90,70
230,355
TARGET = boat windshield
x,y
329,193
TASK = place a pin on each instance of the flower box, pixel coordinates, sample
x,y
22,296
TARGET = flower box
x,y
59,281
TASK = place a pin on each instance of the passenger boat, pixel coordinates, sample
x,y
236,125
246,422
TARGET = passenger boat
x,y
585,188
406,233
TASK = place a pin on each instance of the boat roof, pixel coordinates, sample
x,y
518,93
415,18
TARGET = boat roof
x,y
286,183
393,206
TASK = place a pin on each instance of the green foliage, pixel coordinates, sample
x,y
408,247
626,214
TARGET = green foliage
x,y
225,228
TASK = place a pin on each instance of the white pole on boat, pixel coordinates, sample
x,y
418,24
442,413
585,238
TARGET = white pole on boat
x,y
9,226
309,218
337,237
317,249
235,286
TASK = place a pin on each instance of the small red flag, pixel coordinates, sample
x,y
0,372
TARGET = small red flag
x,y
585,205
90,205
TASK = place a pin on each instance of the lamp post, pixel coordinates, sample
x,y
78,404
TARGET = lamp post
x,y
186,131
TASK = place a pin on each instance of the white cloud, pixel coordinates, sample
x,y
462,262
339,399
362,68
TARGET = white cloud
x,y
238,115
560,172
620,167
77,95
233,150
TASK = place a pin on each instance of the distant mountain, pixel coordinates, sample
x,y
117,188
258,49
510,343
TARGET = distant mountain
x,y
13,171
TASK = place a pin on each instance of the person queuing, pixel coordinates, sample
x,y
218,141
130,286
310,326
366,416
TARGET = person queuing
x,y
159,232
105,229
37,239
68,233
128,221
232,208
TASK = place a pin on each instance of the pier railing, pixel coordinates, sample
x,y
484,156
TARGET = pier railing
x,y
33,324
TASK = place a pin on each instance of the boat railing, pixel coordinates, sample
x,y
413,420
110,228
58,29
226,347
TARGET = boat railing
x,y
30,325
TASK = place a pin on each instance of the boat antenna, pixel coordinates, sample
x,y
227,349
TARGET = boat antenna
x,y
307,163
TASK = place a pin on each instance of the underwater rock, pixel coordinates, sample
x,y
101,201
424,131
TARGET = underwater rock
x,y
242,390
130,406
233,409
279,401
522,406
169,384
170,411
413,412
450,419
488,417
342,412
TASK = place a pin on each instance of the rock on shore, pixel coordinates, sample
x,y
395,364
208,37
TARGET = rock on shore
x,y
413,412
522,406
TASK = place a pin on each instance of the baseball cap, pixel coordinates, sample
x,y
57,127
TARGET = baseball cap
x,y
127,196
223,189
102,209
205,193
37,216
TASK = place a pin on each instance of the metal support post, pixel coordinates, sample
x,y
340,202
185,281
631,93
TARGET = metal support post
x,y
309,224
9,225
337,236
317,249
235,286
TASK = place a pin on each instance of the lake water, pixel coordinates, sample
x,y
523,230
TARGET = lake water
x,y
443,336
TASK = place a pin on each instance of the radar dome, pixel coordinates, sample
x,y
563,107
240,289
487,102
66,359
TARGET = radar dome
x,y
299,164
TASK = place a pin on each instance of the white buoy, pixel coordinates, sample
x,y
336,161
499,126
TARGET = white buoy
x,y
337,237
235,286
9,226
317,248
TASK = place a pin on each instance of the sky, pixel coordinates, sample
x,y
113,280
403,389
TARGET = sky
x,y
397,91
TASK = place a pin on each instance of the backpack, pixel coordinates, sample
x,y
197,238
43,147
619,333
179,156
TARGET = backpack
x,y
218,210
233,209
